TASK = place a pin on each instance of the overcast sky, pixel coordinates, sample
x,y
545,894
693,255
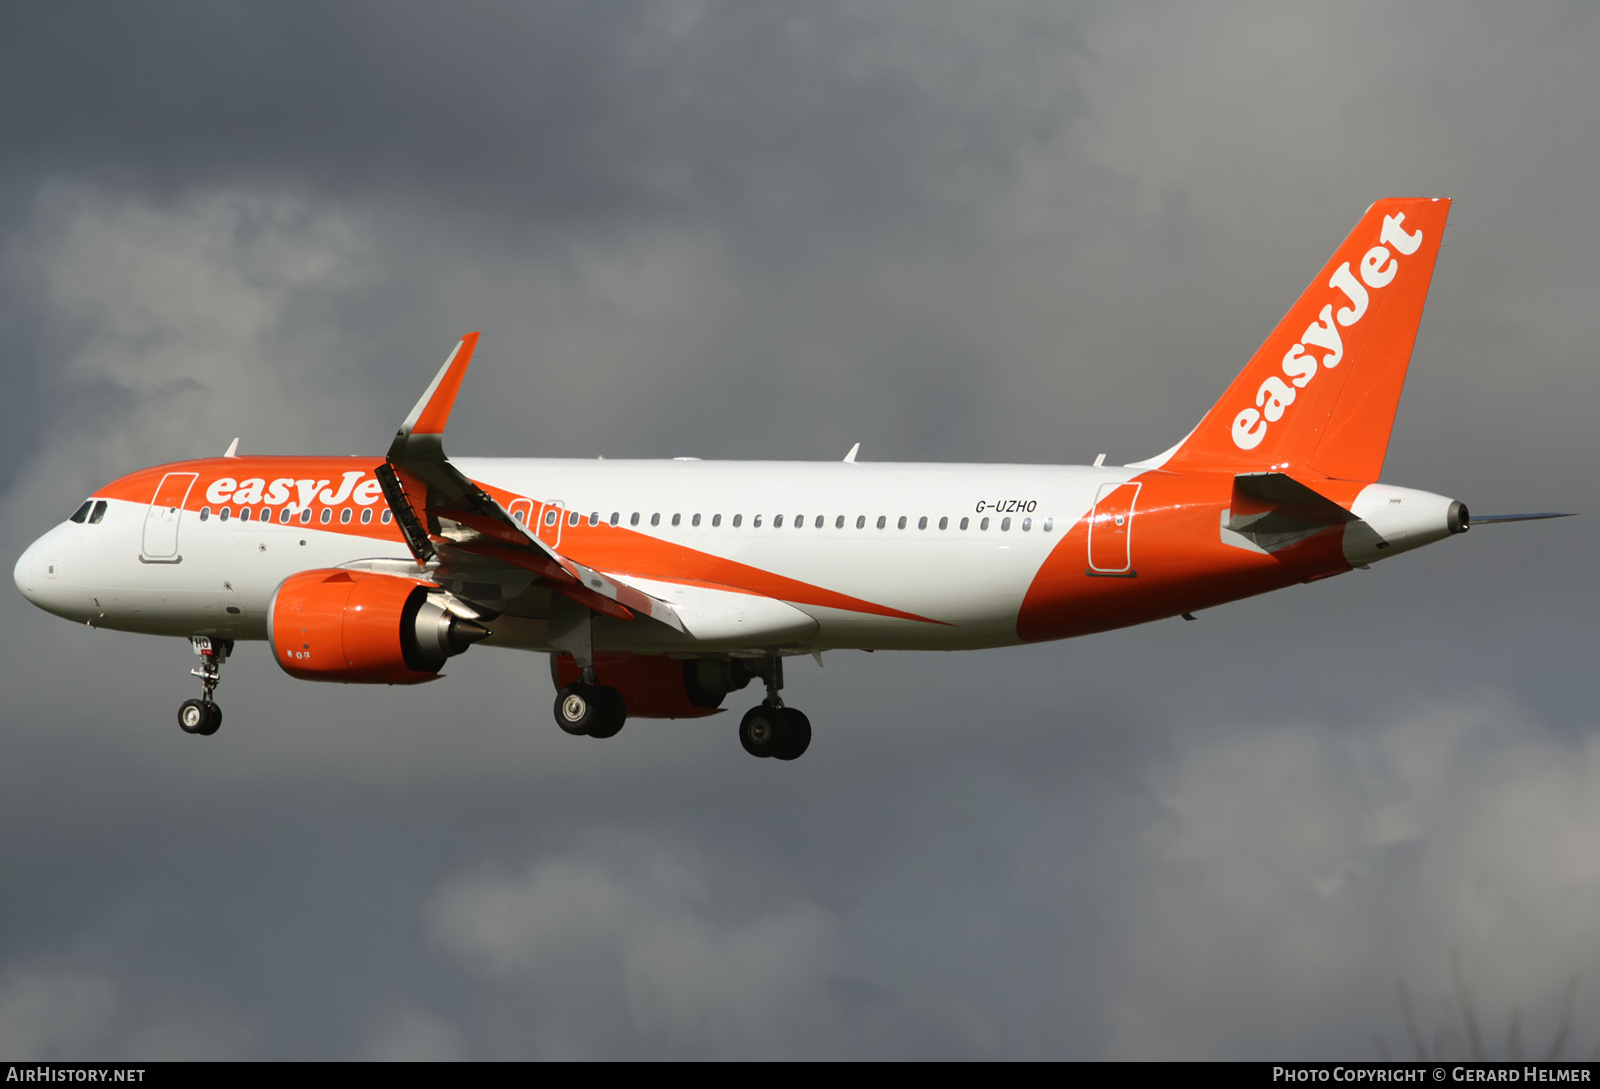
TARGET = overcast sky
x,y
952,232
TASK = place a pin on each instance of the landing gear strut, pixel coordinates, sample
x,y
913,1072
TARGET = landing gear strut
x,y
770,728
202,716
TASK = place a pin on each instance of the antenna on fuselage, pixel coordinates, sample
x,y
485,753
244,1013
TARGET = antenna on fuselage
x,y
233,448
851,456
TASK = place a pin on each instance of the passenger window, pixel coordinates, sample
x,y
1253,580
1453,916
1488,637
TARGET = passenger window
x,y
799,521
286,515
305,516
737,518
676,518
633,519
882,521
984,524
244,514
922,523
594,518
366,516
944,523
224,514
616,517
1049,524
964,523
655,519
819,522
1005,524
902,523
516,516
344,516
573,518
695,520
755,523
861,521
838,523
777,523
388,516
327,515
1027,524
550,517
716,520
82,512
205,514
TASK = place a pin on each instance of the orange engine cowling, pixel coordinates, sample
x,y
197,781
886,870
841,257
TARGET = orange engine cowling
x,y
658,687
362,628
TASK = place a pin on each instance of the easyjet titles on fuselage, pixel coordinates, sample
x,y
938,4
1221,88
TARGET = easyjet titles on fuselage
x,y
357,484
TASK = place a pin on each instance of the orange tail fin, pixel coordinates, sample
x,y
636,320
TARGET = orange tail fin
x,y
1320,395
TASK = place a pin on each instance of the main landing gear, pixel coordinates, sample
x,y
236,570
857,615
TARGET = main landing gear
x,y
589,709
202,716
770,728
585,707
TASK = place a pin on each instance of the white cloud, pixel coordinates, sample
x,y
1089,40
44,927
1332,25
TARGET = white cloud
x,y
68,1014
55,1015
413,1036
1299,871
170,327
625,936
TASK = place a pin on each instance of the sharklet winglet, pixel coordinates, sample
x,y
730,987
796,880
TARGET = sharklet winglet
x,y
432,412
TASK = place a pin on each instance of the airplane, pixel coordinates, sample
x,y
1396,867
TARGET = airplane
x,y
659,587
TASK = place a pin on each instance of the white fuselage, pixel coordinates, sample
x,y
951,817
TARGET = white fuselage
x,y
953,546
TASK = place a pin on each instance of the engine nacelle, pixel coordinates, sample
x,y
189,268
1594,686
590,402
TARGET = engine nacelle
x,y
361,628
660,687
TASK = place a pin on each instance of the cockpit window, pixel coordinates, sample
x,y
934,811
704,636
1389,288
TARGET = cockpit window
x,y
82,512
99,513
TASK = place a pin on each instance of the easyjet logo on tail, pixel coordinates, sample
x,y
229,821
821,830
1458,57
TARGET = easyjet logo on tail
x,y
1378,268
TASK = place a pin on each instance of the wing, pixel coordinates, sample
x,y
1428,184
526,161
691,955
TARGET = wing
x,y
456,528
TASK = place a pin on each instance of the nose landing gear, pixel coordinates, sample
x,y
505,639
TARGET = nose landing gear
x,y
202,716
199,717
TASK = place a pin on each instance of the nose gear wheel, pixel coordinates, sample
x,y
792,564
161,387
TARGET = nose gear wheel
x,y
203,716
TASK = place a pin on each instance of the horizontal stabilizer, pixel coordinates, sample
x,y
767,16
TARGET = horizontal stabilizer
x,y
1273,511
1278,503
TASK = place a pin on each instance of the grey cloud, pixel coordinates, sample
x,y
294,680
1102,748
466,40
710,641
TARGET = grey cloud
x,y
561,113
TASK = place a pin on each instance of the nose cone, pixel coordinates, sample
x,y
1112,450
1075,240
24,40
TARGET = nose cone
x,y
25,573
37,575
